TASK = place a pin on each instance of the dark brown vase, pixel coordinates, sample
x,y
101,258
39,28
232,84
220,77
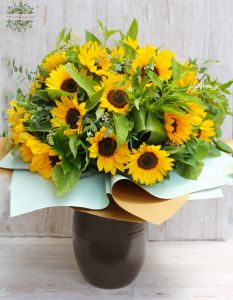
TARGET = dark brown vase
x,y
109,253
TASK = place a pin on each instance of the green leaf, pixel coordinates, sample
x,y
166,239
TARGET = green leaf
x,y
19,95
219,118
174,149
43,72
139,116
226,85
56,94
175,69
110,33
94,100
91,37
67,37
214,151
133,30
189,161
66,166
157,132
65,182
122,127
60,38
155,79
223,147
83,81
201,150
99,113
43,95
102,27
171,108
189,171
43,127
73,144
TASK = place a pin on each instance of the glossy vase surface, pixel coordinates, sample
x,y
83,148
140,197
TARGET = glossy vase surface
x,y
110,253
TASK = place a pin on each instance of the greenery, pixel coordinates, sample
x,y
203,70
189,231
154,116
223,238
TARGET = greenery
x,y
86,97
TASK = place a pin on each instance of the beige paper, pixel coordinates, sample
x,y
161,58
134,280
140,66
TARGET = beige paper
x,y
140,203
5,147
113,211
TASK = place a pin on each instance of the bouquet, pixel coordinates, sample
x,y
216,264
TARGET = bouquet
x,y
129,109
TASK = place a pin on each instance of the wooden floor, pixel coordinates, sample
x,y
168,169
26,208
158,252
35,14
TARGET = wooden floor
x,y
32,269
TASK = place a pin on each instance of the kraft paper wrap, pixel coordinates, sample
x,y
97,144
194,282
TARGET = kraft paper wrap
x,y
128,201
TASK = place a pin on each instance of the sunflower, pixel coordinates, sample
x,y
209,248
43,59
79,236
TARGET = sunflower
x,y
118,53
60,79
15,113
163,64
44,158
178,127
149,164
206,131
110,156
25,151
37,84
17,117
114,97
197,113
69,112
132,43
52,61
95,58
144,56
189,77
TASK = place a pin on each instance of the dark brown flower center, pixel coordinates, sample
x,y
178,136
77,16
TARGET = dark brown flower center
x,y
98,66
143,72
54,159
156,71
147,161
69,85
174,125
118,98
107,147
72,117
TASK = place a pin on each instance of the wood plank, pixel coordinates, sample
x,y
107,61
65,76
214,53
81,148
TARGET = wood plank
x,y
32,269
